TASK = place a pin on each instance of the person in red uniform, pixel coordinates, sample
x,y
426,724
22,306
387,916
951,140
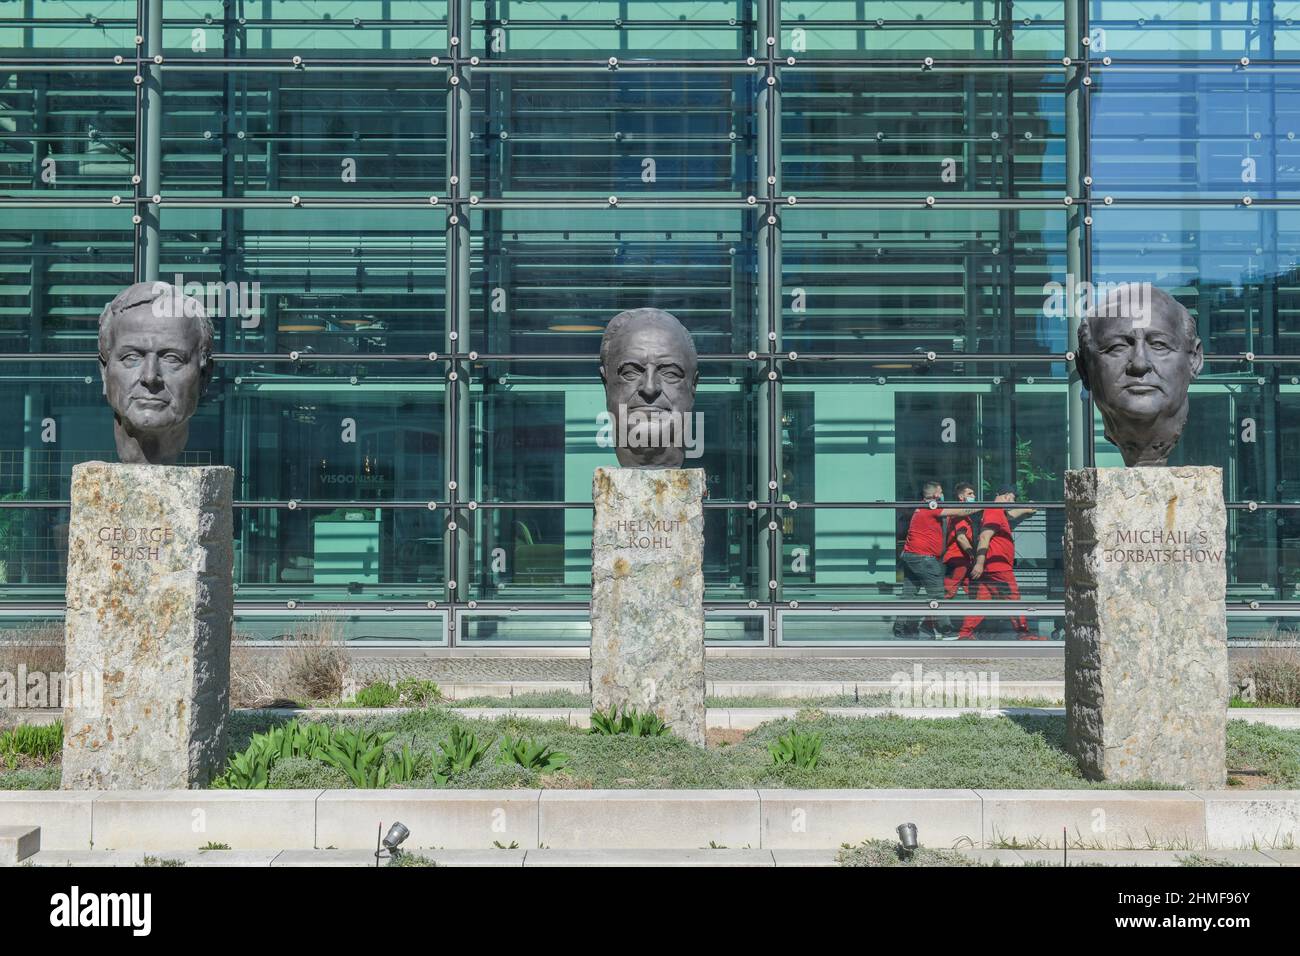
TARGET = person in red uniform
x,y
922,559
993,570
960,551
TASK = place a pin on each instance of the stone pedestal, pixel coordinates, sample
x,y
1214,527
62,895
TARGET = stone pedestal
x,y
150,599
647,595
1146,635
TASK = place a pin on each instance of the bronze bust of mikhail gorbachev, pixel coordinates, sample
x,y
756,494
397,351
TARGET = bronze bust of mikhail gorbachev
x,y
1138,353
155,359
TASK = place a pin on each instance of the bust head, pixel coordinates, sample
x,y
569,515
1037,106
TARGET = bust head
x,y
1138,354
650,369
155,359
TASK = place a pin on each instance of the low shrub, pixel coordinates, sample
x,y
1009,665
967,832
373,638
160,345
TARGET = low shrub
x,y
631,721
797,750
458,752
531,755
418,693
1269,678
377,694
318,662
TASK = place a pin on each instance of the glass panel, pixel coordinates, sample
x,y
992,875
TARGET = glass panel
x,y
547,281
427,628
853,554
33,551
67,134
857,627
1193,29
351,553
629,134
534,554
888,29
57,28
549,628
60,267
1222,133
922,133
870,431
543,429
1252,630
911,281
328,431
304,431
331,281
58,418
338,133
1235,269
627,29
336,29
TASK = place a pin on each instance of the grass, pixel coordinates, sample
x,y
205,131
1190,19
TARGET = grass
x,y
30,745
1272,751
877,752
869,753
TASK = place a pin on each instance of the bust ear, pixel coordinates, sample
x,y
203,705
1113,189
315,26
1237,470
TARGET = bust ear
x,y
603,377
103,375
1081,365
205,375
1198,358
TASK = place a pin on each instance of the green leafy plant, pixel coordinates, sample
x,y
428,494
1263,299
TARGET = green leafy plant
x,y
377,694
359,754
630,721
212,845
796,749
457,753
43,743
418,693
531,755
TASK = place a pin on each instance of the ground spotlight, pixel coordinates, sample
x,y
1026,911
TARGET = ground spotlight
x,y
392,841
907,839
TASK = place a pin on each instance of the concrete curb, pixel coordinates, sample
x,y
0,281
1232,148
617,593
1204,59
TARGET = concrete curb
x,y
248,820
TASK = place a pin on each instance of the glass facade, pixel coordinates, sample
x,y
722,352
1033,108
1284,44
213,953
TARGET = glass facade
x,y
413,220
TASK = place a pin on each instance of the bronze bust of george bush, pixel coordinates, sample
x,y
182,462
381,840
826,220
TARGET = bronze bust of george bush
x,y
155,359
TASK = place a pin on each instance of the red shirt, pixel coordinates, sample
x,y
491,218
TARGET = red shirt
x,y
1002,549
954,552
925,532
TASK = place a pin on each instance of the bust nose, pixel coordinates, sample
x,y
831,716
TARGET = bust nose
x,y
648,387
1139,361
151,372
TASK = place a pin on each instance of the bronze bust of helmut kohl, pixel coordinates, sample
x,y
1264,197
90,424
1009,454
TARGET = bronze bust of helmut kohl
x,y
651,370
1138,354
155,359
